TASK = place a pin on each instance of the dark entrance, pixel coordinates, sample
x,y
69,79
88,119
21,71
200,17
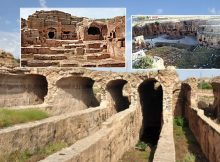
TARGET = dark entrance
x,y
51,35
115,88
93,31
151,99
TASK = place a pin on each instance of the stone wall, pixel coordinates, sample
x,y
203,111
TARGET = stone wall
x,y
216,92
67,128
205,130
120,133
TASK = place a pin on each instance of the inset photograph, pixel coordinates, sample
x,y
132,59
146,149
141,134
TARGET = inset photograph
x,y
186,42
73,37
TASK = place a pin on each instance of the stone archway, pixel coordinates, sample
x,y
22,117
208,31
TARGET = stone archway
x,y
75,93
51,34
94,31
115,88
151,99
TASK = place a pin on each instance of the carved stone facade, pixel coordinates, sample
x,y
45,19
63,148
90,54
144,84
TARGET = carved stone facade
x,y
56,38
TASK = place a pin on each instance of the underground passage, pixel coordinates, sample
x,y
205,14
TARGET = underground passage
x,y
76,92
51,35
93,31
115,88
151,100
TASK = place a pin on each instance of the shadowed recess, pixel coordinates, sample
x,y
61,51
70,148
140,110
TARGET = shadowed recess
x,y
115,88
151,99
76,92
19,90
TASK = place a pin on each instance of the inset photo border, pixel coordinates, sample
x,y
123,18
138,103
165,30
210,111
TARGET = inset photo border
x,y
182,41
73,37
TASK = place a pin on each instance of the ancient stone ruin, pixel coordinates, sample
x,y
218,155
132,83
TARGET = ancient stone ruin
x,y
7,60
101,115
186,42
56,38
205,29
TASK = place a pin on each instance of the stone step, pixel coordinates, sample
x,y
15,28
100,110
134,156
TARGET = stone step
x,y
41,63
93,45
26,56
35,50
24,62
70,46
69,63
112,63
97,56
49,57
93,50
62,51
89,64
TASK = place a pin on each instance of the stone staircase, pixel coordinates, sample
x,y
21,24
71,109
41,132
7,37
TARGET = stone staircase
x,y
69,54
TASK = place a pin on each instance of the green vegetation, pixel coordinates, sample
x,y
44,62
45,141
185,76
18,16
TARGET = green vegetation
x,y
204,85
141,145
186,146
183,56
34,156
141,153
11,117
144,63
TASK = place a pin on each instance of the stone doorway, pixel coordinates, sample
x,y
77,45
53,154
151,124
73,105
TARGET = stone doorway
x,y
151,99
51,35
94,31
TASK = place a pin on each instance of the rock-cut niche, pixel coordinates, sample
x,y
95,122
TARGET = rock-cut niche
x,y
151,100
118,100
76,93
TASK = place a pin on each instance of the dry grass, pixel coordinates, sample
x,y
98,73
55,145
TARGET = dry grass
x,y
11,117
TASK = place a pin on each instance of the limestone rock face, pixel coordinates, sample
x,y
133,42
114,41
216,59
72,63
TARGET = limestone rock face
x,y
207,31
7,60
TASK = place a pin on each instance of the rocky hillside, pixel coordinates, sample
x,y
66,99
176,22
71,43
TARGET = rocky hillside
x,y
7,60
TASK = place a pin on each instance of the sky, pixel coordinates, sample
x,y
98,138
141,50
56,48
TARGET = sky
x,y
92,13
10,16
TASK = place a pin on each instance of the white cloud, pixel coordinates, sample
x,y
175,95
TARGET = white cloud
x,y
10,42
43,3
159,11
86,12
213,11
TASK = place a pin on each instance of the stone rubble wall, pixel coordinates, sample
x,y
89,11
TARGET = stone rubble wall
x,y
67,128
205,130
120,133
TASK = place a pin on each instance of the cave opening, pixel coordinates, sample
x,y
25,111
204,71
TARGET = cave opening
x,y
51,35
76,93
151,99
115,88
39,85
93,31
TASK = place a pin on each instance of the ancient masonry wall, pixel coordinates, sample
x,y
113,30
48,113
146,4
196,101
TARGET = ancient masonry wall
x,y
101,133
67,128
205,130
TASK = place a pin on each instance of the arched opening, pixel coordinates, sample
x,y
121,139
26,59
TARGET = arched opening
x,y
51,35
93,31
38,84
115,88
151,99
75,93
21,90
